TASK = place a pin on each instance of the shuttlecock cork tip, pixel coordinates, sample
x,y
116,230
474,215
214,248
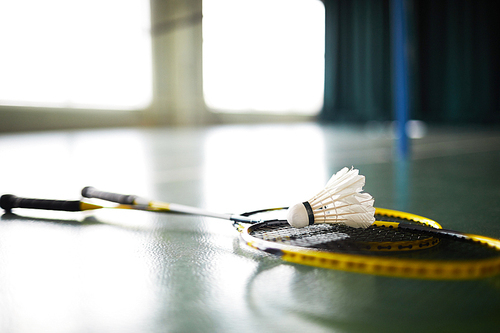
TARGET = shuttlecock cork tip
x,y
297,216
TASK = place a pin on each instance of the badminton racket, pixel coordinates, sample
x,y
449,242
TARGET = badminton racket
x,y
405,243
425,224
370,240
388,247
398,244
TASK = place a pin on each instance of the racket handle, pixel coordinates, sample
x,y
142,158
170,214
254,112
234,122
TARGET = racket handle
x,y
9,201
92,192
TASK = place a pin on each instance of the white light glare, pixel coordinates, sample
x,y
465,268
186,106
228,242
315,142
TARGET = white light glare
x,y
264,55
75,54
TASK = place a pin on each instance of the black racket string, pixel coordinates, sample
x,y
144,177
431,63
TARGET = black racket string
x,y
373,241
331,236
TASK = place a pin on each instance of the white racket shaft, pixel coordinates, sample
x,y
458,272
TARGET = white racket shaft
x,y
90,192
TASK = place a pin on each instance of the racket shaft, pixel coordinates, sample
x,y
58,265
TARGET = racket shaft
x,y
177,208
91,192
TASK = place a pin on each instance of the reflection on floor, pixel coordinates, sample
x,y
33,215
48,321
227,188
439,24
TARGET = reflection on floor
x,y
137,271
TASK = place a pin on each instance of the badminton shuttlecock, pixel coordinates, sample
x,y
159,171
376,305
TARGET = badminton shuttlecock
x,y
341,201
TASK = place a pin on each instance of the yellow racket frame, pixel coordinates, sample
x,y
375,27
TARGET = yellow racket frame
x,y
385,266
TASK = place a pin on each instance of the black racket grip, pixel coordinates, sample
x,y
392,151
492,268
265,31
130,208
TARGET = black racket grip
x,y
9,201
91,192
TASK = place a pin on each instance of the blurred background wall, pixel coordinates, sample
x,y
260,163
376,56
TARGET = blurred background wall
x,y
453,57
453,69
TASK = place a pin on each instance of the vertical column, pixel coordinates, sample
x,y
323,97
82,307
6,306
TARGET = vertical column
x,y
400,72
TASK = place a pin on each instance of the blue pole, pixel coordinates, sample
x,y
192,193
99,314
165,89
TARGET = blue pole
x,y
400,70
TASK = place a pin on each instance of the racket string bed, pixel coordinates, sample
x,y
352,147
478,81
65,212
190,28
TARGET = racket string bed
x,y
338,237
395,245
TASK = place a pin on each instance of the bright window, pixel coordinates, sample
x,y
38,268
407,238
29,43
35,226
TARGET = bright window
x,y
264,55
75,54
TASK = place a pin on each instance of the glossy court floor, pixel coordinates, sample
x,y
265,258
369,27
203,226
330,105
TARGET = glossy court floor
x,y
128,271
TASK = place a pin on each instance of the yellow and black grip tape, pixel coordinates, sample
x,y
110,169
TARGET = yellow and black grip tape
x,y
10,201
91,192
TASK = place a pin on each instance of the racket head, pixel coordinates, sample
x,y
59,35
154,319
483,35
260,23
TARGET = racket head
x,y
381,249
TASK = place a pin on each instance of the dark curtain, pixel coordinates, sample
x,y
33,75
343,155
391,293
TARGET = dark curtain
x,y
453,56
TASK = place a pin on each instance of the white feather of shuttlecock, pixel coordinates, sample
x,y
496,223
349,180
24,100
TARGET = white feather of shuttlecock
x,y
341,201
